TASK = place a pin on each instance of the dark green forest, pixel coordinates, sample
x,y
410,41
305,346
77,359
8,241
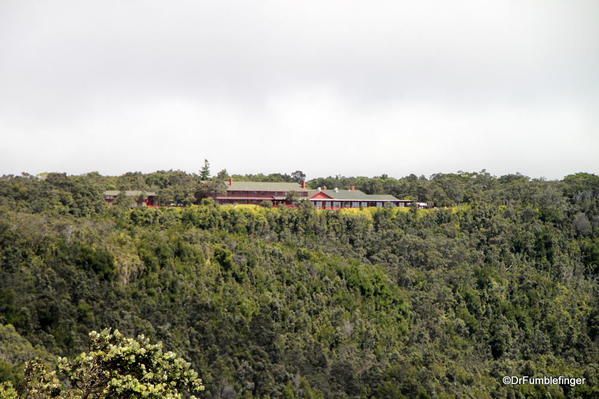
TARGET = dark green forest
x,y
500,278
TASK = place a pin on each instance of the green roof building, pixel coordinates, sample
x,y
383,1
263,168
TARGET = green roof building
x,y
245,192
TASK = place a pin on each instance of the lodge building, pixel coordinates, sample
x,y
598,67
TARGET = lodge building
x,y
245,192
277,194
352,198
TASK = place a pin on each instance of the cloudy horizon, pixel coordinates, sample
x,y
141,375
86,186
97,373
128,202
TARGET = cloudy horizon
x,y
334,87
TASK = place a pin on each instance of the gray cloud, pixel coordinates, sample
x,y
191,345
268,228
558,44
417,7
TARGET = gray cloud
x,y
328,87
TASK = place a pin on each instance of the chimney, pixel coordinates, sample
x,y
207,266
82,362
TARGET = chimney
x,y
336,189
230,181
353,188
324,187
303,184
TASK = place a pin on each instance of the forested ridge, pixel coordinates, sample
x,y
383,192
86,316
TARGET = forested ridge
x,y
500,279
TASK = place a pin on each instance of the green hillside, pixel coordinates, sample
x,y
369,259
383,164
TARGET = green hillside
x,y
500,280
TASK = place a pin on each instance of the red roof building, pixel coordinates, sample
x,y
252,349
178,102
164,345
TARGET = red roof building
x,y
245,192
283,194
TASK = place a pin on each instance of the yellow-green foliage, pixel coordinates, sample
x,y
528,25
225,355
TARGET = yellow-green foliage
x,y
115,367
7,391
356,303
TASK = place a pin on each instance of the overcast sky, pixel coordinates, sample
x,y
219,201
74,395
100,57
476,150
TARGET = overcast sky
x,y
327,87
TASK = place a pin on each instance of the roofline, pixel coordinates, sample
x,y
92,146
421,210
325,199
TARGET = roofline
x,y
358,200
321,192
229,188
252,198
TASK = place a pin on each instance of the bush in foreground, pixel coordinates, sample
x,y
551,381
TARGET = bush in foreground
x,y
115,367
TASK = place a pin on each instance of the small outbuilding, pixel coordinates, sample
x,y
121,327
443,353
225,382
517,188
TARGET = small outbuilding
x,y
141,198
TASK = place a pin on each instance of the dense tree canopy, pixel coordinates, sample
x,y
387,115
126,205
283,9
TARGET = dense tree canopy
x,y
501,279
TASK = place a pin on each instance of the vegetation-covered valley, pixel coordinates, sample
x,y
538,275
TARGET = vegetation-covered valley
x,y
499,279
